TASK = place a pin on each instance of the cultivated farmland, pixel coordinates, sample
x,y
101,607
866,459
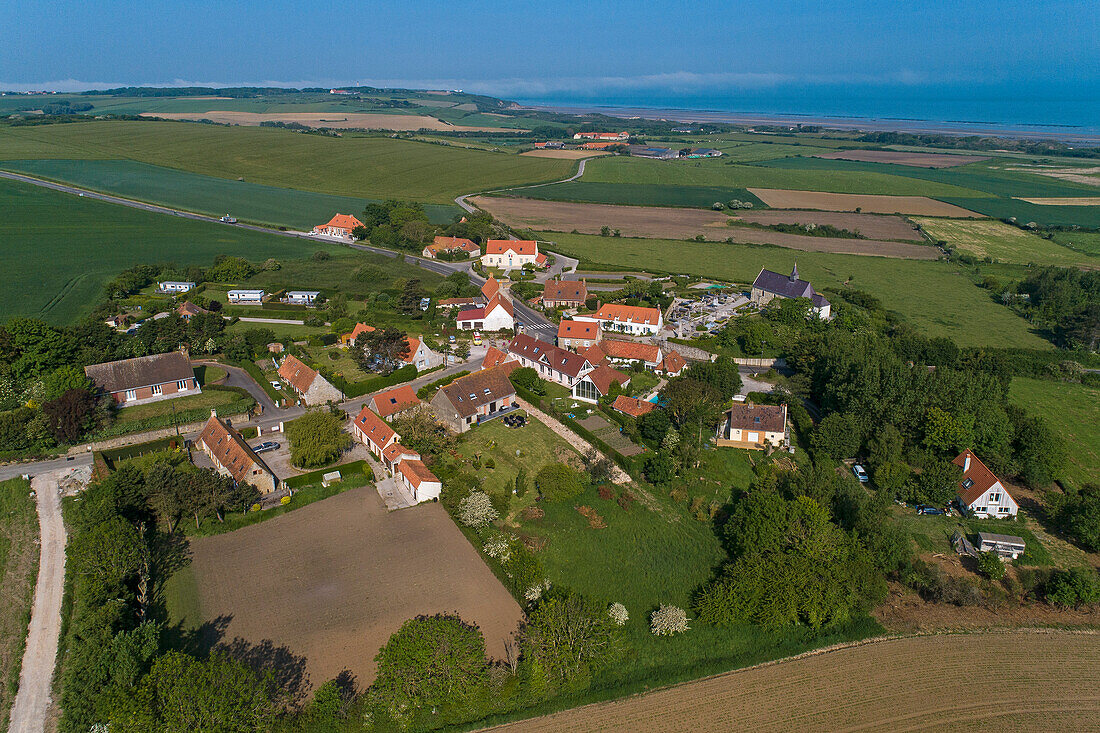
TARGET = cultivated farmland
x,y
641,221
1003,242
919,160
333,580
334,120
872,204
1064,201
935,296
874,226
891,684
353,165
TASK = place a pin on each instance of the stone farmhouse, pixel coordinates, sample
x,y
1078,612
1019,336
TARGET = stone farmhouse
x,y
307,383
233,457
564,293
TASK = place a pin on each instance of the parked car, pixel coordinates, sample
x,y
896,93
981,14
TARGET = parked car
x,y
275,384
477,339
424,303
267,446
860,473
929,510
227,219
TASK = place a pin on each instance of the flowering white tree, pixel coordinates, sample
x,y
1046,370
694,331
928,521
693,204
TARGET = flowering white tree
x,y
476,510
498,547
618,614
535,592
668,620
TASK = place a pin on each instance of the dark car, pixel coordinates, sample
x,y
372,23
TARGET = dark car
x,y
265,447
929,510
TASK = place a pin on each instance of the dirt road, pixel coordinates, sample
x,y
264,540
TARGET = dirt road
x,y
33,699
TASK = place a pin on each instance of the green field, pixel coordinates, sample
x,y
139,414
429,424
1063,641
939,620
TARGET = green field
x,y
1002,242
1073,410
59,249
1088,242
717,173
204,194
638,194
935,296
353,165
18,570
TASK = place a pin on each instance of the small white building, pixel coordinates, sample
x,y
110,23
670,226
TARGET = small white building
x,y
253,297
302,297
981,494
496,315
1007,546
174,286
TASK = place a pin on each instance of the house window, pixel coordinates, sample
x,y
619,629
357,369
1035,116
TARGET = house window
x,y
967,483
994,498
1003,510
157,389
981,509
586,390
182,385
131,394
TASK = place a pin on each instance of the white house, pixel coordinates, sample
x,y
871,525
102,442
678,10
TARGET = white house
x,y
174,286
496,315
420,355
302,297
404,464
753,427
981,494
631,319
510,254
341,225
552,363
246,296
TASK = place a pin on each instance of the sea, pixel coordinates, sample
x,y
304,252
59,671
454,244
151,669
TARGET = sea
x,y
1061,111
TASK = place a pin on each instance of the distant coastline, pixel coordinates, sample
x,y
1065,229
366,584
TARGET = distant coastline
x,y
1069,134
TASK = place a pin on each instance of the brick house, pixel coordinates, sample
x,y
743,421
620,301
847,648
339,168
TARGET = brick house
x,y
468,400
564,293
233,457
340,225
145,378
578,335
307,383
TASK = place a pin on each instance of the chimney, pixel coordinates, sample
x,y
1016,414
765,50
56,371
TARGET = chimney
x,y
966,462
213,412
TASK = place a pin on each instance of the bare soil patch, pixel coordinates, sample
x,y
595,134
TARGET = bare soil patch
x,y
918,160
1067,201
335,120
333,580
674,223
564,154
874,226
1088,175
778,198
1046,680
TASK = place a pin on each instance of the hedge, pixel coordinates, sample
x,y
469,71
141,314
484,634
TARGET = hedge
x,y
114,455
429,389
296,482
406,373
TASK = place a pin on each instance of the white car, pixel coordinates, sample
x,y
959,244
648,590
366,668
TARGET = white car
x,y
860,473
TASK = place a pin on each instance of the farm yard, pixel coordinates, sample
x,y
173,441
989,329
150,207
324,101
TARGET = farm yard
x,y
889,684
18,568
642,221
1003,242
935,296
919,160
872,204
331,581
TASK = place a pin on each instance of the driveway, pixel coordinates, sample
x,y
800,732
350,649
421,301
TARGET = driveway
x,y
240,378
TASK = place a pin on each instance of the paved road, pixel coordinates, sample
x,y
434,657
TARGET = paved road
x,y
238,377
39,467
33,698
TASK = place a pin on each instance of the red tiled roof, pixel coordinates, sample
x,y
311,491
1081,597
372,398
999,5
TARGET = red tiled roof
x,y
449,244
376,430
360,328
227,445
493,357
598,145
541,352
578,330
471,314
627,313
416,472
490,288
414,346
594,354
749,416
540,258
571,290
297,373
500,300
673,363
983,479
604,376
631,406
394,450
393,401
343,221
631,350
519,246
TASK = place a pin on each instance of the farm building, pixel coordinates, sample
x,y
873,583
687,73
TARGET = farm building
x,y
451,244
402,463
643,151
311,387
602,136
981,494
552,363
340,225
769,285
1005,545
496,315
250,297
631,319
145,378
510,254
373,432
174,286
578,335
704,153
392,401
597,383
233,457
603,145
301,297
752,426
418,479
564,293
475,398
631,406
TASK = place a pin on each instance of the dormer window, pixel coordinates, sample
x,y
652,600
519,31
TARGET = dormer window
x,y
967,483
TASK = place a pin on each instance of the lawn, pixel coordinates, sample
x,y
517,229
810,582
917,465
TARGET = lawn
x,y
60,249
935,296
181,407
353,165
1004,242
1073,410
351,272
1088,242
293,331
204,194
18,570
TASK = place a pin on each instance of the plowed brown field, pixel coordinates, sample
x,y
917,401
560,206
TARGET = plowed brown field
x,y
872,203
333,580
875,226
673,223
995,681
919,160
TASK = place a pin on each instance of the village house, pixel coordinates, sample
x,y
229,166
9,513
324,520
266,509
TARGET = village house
x,y
597,383
301,297
577,335
495,357
307,383
477,397
417,352
233,457
174,286
631,406
373,432
496,315
145,378
981,494
635,320
769,285
418,478
552,363
393,401
628,352
188,309
451,244
601,136
510,254
248,297
346,339
564,294
340,225
753,426
672,365
404,464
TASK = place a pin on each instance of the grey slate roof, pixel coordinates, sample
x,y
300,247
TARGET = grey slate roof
x,y
144,371
788,286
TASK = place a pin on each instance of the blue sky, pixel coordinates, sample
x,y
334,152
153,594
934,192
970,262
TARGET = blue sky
x,y
556,48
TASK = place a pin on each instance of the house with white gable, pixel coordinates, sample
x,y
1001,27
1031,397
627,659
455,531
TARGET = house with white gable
x,y
510,254
981,494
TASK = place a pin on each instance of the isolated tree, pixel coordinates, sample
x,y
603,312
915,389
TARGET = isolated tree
x,y
570,638
316,439
382,350
411,295
70,415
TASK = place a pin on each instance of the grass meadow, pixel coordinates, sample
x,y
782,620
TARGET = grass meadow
x,y
204,194
60,249
1073,410
1087,242
18,571
1004,242
638,194
352,165
935,296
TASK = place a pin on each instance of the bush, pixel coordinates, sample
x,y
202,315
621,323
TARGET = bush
x,y
990,565
1073,588
618,614
528,379
668,621
558,482
316,439
477,510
